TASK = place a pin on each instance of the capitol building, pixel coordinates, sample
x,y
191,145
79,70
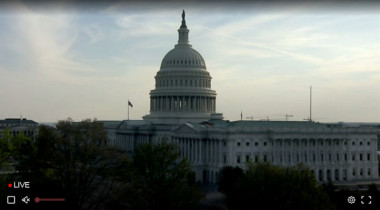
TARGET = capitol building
x,y
183,112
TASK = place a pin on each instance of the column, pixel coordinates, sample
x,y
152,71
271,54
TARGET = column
x,y
200,151
193,103
163,103
217,152
212,151
209,151
153,104
193,150
188,103
177,103
172,102
185,147
189,145
166,103
197,103
150,103
196,150
208,104
201,104
158,103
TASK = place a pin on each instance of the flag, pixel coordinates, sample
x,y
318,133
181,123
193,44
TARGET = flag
x,y
130,104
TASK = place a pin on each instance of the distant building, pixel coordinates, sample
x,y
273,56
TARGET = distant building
x,y
183,111
20,125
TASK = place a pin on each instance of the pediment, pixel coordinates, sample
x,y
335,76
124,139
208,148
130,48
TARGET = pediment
x,y
186,128
122,125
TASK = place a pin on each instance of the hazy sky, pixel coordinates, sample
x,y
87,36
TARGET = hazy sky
x,y
85,61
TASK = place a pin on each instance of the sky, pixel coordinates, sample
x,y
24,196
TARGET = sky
x,y
83,61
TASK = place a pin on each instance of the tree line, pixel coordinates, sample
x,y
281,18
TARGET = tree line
x,y
73,161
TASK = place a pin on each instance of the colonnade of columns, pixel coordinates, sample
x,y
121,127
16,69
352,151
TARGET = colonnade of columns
x,y
182,103
199,151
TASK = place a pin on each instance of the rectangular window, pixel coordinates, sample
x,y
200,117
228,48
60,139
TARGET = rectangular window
x,y
313,157
238,159
238,144
256,158
361,172
361,157
247,143
369,172
256,143
322,157
354,172
265,158
368,156
337,157
247,158
330,157
345,156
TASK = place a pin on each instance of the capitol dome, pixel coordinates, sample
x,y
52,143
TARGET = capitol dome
x,y
182,57
183,86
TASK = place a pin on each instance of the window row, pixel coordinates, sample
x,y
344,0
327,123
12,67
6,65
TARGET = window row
x,y
189,62
304,143
204,83
304,157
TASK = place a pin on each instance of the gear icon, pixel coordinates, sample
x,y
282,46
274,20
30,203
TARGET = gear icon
x,y
351,200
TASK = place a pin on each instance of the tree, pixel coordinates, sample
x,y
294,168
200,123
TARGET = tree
x,y
264,186
73,161
161,179
9,147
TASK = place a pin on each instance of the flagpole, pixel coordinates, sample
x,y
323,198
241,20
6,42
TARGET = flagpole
x,y
128,108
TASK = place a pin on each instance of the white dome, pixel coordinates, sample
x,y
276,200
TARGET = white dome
x,y
183,86
183,57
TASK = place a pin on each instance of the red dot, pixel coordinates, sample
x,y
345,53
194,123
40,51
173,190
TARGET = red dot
x,y
9,185
37,199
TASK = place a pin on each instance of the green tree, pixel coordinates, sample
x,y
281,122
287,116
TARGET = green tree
x,y
265,186
10,146
73,161
162,180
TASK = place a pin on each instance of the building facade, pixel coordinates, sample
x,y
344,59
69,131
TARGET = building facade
x,y
17,126
183,112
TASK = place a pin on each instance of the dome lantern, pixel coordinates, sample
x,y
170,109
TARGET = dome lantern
x,y
183,32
